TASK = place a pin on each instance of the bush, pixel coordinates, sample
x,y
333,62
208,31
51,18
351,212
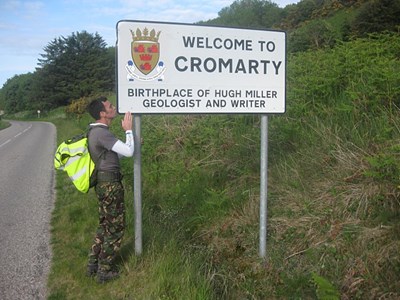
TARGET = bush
x,y
77,108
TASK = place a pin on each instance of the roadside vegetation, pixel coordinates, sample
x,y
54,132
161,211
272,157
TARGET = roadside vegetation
x,y
333,189
333,211
3,124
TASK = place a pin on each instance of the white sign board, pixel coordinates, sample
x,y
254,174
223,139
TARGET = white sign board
x,y
175,68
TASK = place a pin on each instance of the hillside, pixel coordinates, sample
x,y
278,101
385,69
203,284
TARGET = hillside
x,y
333,211
314,24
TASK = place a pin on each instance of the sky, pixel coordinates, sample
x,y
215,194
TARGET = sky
x,y
28,26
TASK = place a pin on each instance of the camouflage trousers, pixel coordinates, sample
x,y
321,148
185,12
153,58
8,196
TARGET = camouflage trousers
x,y
110,231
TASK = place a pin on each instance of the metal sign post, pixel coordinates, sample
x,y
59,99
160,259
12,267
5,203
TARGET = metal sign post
x,y
263,186
137,184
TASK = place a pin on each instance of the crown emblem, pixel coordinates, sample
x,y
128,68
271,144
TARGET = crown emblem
x,y
145,35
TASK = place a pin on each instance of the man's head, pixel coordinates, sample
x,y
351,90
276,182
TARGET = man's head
x,y
101,109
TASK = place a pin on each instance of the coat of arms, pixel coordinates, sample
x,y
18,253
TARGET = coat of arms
x,y
145,51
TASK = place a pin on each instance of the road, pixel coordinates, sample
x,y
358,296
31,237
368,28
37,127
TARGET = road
x,y
26,203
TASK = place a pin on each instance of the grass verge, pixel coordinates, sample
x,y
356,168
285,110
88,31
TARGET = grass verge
x,y
333,210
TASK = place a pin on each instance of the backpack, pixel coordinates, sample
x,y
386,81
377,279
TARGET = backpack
x,y
73,157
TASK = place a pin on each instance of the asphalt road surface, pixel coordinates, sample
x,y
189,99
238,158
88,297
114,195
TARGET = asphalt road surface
x,y
26,202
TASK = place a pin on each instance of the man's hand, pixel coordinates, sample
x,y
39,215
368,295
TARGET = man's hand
x,y
126,123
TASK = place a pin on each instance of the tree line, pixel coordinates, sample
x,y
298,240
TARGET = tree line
x,y
70,68
81,64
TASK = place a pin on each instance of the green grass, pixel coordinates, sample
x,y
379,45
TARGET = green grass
x,y
333,203
3,124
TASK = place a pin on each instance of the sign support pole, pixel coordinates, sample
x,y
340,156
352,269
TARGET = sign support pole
x,y
137,184
263,186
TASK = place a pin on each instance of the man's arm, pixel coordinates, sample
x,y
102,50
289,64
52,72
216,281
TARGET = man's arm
x,y
125,149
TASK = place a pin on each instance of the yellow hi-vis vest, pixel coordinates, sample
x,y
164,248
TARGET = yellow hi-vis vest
x,y
73,157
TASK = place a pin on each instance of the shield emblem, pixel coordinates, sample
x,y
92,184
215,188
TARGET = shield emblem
x,y
145,55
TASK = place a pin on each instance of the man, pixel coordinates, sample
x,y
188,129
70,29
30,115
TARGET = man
x,y
106,150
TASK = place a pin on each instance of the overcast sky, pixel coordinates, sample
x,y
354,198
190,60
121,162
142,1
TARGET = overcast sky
x,y
26,27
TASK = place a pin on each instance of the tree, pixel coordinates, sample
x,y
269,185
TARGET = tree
x,y
249,13
315,35
377,16
74,67
299,13
15,93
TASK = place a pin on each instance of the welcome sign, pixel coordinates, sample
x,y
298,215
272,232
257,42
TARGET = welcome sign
x,y
176,68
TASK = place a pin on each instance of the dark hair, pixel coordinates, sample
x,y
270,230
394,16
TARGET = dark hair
x,y
96,106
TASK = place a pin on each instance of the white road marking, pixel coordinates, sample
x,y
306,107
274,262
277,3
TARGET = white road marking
x,y
17,135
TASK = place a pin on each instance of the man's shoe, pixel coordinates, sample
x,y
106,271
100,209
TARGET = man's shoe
x,y
92,269
103,277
